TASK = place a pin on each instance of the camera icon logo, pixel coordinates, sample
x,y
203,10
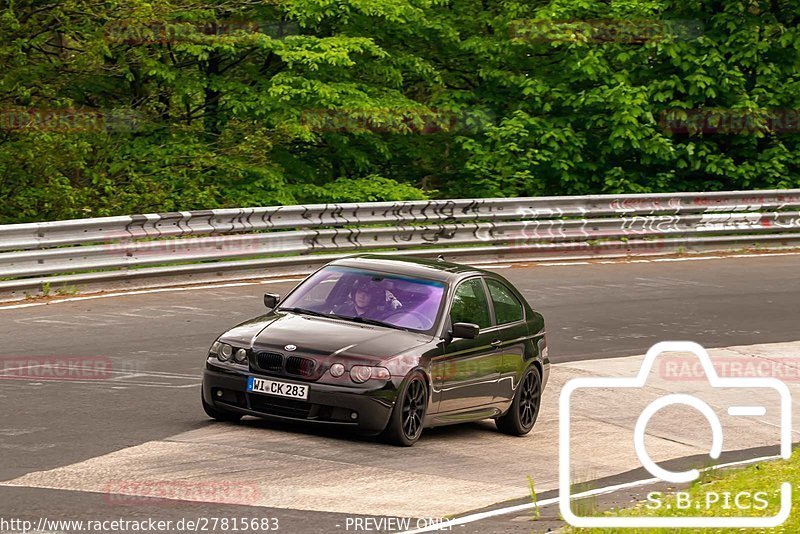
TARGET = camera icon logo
x,y
677,477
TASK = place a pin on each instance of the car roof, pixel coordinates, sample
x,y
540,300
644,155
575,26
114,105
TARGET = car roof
x,y
411,266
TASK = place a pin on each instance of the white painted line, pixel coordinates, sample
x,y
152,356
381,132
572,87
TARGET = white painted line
x,y
546,502
702,258
128,372
492,262
17,368
146,292
99,382
747,411
689,258
152,374
659,260
125,376
765,254
495,266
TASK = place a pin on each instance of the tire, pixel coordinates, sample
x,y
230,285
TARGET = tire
x,y
219,415
520,418
408,415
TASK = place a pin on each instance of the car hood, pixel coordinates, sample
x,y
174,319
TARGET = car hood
x,y
322,337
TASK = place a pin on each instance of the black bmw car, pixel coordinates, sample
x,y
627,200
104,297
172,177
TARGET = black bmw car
x,y
385,345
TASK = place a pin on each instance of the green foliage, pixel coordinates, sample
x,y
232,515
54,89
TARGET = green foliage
x,y
232,103
368,189
582,111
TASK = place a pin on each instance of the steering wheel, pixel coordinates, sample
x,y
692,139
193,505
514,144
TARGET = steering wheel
x,y
424,322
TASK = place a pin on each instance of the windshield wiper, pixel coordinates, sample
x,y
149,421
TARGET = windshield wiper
x,y
304,312
374,322
356,319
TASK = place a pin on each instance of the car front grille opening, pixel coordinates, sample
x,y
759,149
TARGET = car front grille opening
x,y
298,409
296,365
270,361
279,406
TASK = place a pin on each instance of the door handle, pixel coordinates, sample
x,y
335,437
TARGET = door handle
x,y
496,342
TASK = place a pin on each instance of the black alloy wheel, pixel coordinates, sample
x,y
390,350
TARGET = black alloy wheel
x,y
521,417
408,416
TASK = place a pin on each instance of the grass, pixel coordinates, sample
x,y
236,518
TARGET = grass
x,y
535,513
763,477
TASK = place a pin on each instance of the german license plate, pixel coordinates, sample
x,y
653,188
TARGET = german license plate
x,y
279,389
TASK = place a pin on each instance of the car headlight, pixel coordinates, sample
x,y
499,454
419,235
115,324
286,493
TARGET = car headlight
x,y
361,373
225,352
240,356
337,370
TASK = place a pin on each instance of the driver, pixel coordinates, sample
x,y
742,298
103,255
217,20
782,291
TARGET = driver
x,y
368,300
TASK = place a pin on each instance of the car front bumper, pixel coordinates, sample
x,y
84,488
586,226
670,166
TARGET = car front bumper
x,y
326,404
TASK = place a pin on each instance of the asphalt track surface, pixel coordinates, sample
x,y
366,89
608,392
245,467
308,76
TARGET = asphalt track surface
x,y
593,311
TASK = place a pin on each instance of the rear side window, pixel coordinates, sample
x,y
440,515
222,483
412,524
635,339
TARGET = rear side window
x,y
470,305
507,308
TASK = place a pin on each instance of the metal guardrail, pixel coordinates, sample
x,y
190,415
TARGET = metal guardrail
x,y
154,249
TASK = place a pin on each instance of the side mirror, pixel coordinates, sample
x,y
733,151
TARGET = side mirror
x,y
271,300
466,330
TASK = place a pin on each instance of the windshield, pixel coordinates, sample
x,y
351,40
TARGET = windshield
x,y
369,297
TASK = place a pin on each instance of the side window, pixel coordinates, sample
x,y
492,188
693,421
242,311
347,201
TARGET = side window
x,y
470,305
507,309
